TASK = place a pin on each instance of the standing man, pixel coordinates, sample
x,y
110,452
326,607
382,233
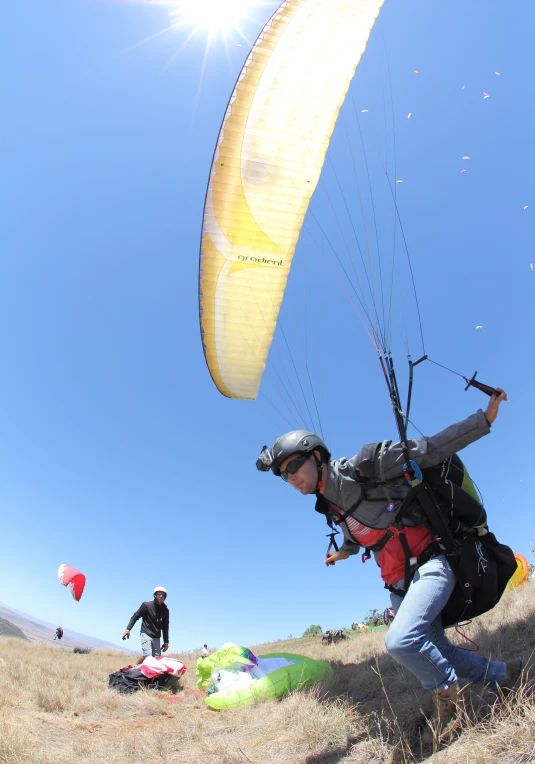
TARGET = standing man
x,y
155,616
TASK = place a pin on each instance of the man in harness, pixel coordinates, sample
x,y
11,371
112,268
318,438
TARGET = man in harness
x,y
366,496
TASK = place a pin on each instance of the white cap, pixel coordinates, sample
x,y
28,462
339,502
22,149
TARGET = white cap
x,y
160,589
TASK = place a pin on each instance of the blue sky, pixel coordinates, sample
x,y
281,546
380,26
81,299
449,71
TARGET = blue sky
x,y
118,455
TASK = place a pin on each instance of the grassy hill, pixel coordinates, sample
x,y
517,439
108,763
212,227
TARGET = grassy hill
x,y
55,707
8,629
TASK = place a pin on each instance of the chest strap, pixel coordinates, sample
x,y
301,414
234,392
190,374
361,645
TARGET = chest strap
x,y
391,532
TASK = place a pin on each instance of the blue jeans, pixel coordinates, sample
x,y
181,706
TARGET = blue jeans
x,y
416,637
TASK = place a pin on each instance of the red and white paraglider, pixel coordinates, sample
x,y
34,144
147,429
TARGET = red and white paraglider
x,y
69,576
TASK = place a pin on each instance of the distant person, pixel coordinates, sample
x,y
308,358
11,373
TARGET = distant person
x,y
59,633
376,620
205,652
155,615
388,615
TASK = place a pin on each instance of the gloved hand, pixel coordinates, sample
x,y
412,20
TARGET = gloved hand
x,y
126,635
165,647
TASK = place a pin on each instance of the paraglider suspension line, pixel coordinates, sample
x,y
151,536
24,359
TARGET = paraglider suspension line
x,y
409,392
387,365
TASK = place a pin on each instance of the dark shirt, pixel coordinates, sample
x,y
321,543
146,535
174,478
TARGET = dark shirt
x,y
155,620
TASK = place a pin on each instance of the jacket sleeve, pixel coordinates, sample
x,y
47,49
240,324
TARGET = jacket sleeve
x,y
349,546
427,452
165,628
140,612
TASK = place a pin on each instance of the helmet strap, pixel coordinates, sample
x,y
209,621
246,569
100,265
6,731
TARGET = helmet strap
x,y
319,466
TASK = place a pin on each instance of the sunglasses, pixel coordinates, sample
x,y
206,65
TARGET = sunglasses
x,y
294,465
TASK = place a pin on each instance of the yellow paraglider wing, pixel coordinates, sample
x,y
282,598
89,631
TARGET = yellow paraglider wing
x,y
521,572
266,165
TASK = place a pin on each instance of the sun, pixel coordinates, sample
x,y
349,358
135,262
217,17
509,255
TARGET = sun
x,y
214,16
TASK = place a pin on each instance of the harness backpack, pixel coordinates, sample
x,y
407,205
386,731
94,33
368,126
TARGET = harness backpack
x,y
482,565
442,502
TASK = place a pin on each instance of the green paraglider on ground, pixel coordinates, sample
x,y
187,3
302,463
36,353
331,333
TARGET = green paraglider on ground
x,y
235,677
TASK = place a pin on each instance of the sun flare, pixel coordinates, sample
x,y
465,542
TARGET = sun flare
x,y
215,16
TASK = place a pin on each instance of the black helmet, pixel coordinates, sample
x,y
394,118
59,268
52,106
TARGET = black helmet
x,y
294,442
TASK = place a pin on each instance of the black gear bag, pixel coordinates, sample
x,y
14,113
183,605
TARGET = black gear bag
x,y
481,564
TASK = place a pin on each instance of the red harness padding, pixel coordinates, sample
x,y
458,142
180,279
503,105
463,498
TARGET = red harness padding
x,y
388,542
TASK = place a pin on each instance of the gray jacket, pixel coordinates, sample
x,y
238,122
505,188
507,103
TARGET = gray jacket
x,y
381,504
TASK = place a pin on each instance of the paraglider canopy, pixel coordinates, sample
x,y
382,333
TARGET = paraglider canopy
x,y
236,677
521,573
266,165
69,576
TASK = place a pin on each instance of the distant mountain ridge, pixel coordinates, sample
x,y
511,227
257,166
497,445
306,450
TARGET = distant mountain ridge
x,y
41,631
8,629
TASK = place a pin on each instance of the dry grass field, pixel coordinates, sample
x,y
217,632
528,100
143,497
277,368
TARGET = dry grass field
x,y
56,708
